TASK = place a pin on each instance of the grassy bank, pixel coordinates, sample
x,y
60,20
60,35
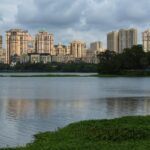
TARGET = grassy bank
x,y
128,133
131,73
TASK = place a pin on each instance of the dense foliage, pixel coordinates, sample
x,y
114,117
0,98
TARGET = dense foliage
x,y
50,67
134,59
128,133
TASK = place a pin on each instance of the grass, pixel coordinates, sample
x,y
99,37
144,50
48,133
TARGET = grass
x,y
127,133
130,73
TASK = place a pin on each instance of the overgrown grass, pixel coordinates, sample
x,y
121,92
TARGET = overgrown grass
x,y
128,133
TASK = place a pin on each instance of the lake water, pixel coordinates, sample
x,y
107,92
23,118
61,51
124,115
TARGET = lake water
x,y
32,105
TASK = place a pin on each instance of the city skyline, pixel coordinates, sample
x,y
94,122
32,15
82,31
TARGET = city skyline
x,y
22,47
70,20
104,43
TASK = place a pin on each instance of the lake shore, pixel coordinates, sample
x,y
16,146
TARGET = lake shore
x,y
130,73
123,133
55,74
75,74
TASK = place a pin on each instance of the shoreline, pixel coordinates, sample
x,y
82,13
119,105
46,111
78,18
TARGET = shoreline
x,y
75,75
114,134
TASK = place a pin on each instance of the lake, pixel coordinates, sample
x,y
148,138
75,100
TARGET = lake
x,y
38,104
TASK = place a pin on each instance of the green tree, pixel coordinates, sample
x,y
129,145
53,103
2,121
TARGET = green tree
x,y
110,62
132,58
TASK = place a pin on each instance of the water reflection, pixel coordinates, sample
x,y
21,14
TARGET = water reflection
x,y
22,118
24,108
30,105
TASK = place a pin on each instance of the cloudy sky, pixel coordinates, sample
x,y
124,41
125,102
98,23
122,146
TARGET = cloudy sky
x,y
87,20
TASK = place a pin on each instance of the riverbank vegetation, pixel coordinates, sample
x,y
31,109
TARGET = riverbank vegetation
x,y
50,67
132,62
127,133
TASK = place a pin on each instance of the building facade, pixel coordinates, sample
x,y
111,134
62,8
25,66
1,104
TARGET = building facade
x,y
122,40
17,42
132,37
146,40
60,49
44,43
2,55
78,49
1,42
112,41
97,46
125,38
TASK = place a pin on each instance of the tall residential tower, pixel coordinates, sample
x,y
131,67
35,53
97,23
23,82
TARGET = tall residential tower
x,y
112,41
146,40
17,42
44,43
118,41
78,49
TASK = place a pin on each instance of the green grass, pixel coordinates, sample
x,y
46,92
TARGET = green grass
x,y
127,133
130,73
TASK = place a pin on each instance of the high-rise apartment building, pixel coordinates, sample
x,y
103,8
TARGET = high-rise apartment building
x,y
60,49
78,49
127,38
97,46
146,40
16,43
122,40
44,43
1,42
112,41
118,41
132,37
2,55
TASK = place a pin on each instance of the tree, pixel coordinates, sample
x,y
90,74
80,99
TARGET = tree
x,y
109,62
132,57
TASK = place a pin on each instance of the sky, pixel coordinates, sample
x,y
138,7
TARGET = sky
x,y
86,20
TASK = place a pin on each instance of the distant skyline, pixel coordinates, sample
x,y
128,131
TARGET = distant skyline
x,y
88,20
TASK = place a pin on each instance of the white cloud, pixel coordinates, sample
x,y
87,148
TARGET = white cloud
x,y
79,19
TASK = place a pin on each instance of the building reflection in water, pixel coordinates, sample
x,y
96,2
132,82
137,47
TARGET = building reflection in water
x,y
21,118
21,108
117,107
103,108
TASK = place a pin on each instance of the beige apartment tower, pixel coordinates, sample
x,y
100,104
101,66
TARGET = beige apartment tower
x,y
112,41
118,41
132,37
146,40
78,49
16,43
1,42
97,46
44,43
122,40
60,50
127,38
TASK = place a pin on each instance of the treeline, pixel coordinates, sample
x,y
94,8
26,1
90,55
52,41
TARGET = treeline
x,y
131,60
49,67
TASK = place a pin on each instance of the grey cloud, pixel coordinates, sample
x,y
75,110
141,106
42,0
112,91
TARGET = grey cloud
x,y
95,13
50,13
114,14
135,11
88,19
